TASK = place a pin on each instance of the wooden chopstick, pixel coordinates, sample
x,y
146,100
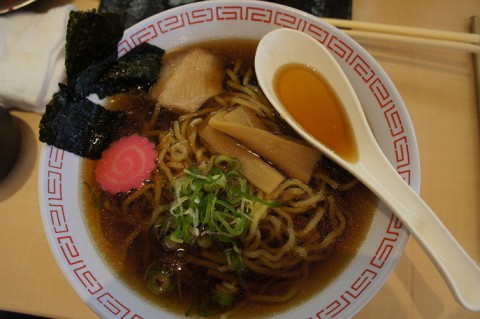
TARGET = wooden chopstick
x,y
468,47
476,62
445,39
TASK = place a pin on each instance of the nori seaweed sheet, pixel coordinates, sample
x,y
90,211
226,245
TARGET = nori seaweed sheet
x,y
137,69
134,11
91,37
71,121
79,126
84,84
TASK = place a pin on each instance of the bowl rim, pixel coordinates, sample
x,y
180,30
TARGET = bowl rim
x,y
378,82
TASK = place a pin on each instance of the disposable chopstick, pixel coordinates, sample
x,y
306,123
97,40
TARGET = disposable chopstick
x,y
468,47
445,39
476,62
406,31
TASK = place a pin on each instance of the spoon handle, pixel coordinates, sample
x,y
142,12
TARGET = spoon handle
x,y
461,273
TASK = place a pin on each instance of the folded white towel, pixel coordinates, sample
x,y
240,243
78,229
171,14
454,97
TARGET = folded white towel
x,y
32,55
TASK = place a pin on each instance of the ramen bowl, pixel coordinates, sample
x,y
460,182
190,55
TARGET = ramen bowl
x,y
60,181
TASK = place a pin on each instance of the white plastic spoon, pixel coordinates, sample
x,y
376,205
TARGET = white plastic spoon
x,y
285,46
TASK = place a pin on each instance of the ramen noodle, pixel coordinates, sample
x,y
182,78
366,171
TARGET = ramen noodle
x,y
199,237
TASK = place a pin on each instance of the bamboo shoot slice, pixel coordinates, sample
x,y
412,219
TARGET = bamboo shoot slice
x,y
246,116
295,159
256,170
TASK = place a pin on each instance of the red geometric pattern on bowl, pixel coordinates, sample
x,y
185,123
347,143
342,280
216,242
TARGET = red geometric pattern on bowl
x,y
58,218
66,243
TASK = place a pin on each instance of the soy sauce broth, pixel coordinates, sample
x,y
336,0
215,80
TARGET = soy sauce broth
x,y
310,100
359,203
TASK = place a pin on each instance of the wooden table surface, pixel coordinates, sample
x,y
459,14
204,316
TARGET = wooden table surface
x,y
438,88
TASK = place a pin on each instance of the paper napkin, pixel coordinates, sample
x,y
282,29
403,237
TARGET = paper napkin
x,y
32,54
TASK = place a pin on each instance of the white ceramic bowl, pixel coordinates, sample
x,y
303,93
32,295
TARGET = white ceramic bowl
x,y
59,182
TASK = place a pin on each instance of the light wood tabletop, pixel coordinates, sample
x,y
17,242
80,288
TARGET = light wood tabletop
x,y
438,88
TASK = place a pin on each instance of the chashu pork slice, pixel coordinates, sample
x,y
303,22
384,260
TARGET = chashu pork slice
x,y
188,80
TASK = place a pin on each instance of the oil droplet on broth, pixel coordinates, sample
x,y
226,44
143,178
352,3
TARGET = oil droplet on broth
x,y
310,100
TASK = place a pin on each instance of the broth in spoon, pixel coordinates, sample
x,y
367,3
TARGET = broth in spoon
x,y
310,100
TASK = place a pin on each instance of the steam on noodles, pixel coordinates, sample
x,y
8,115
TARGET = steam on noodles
x,y
253,247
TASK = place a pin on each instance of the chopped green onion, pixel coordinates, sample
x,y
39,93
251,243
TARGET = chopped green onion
x,y
159,281
204,240
224,294
212,205
227,163
234,259
261,201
